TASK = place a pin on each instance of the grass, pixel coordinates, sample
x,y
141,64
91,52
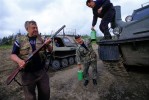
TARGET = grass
x,y
5,47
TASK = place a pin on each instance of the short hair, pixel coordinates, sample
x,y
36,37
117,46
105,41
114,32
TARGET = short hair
x,y
27,23
88,1
77,36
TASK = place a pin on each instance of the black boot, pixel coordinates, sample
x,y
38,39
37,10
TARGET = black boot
x,y
107,35
86,82
106,38
94,81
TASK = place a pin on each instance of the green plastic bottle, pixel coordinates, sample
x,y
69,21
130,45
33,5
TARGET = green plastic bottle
x,y
93,35
80,75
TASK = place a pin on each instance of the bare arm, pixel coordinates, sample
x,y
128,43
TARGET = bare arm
x,y
16,59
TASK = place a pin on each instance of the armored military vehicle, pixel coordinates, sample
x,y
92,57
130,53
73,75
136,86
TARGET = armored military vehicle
x,y
131,40
63,53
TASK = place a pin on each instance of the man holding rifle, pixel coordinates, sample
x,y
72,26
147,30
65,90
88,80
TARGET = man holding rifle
x,y
33,74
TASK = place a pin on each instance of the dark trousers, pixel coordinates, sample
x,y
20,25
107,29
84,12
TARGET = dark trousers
x,y
38,79
107,18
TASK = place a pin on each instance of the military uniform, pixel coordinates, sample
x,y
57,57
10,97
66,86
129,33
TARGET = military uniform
x,y
86,56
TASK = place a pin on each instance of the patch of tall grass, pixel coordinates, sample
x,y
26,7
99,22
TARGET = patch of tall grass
x,y
4,47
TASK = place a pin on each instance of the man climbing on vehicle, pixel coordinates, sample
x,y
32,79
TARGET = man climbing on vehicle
x,y
103,9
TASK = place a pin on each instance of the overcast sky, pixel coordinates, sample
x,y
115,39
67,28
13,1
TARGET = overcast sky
x,y
52,14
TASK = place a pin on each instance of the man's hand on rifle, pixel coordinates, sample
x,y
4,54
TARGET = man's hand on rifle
x,y
21,63
47,41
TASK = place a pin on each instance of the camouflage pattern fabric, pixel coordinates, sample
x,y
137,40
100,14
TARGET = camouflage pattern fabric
x,y
87,58
26,49
84,55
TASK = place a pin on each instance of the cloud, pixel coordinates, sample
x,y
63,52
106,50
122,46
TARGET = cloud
x,y
51,15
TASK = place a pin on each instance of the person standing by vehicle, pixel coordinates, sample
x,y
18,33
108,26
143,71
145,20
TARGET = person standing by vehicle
x,y
86,56
33,74
103,9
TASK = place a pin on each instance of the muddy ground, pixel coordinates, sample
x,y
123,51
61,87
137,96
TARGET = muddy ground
x,y
65,85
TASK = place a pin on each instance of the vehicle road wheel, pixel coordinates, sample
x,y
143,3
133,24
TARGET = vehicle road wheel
x,y
55,64
71,60
64,62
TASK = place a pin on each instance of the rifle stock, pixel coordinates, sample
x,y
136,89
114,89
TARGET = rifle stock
x,y
18,69
13,75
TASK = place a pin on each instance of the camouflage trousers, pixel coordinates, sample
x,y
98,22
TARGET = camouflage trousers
x,y
86,66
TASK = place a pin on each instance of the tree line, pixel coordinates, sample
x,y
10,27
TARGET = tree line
x,y
7,40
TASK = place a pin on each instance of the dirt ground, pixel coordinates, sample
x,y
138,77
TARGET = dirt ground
x,y
65,85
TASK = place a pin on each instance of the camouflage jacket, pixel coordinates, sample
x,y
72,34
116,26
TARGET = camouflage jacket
x,y
83,55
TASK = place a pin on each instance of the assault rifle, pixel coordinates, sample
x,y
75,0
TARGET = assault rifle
x,y
18,69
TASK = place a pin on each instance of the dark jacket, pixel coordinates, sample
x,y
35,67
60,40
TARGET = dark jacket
x,y
105,4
